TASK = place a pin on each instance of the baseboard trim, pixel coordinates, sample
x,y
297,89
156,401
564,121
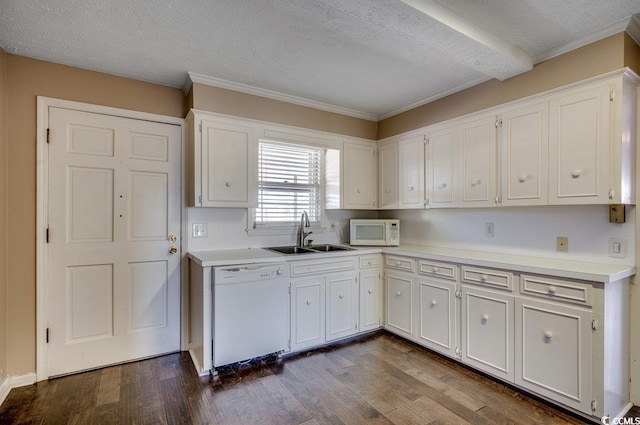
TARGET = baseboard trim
x,y
624,411
10,382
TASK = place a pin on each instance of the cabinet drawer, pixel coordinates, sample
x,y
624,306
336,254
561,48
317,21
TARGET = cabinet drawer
x,y
301,268
400,263
556,289
436,269
497,279
370,261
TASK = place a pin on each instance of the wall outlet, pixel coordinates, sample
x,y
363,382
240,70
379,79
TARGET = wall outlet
x,y
200,230
562,244
489,230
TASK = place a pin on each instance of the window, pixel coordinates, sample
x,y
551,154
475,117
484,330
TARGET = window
x,y
289,182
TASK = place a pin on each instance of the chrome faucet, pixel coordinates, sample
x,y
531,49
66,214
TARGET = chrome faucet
x,y
304,222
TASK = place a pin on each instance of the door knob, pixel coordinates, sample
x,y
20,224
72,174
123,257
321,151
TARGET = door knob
x,y
173,250
172,238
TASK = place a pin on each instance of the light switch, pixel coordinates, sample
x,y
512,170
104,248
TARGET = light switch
x,y
200,230
617,248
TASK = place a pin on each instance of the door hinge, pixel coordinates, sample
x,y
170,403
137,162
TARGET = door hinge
x,y
47,335
48,135
594,324
594,405
47,235
612,96
499,123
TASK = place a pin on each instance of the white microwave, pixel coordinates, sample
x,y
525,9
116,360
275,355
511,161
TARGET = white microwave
x,y
374,232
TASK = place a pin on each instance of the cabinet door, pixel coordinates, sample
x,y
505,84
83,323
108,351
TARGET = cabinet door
x,y
478,156
370,300
441,168
579,147
342,305
360,168
307,312
229,164
412,174
525,146
553,352
487,331
388,176
437,322
399,304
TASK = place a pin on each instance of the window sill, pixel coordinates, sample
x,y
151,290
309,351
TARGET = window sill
x,y
283,231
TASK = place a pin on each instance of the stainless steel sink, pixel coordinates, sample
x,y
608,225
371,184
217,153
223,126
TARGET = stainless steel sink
x,y
307,250
290,250
329,248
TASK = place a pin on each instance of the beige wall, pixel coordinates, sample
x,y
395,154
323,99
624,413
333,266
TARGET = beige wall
x,y
26,79
3,214
230,102
631,53
591,60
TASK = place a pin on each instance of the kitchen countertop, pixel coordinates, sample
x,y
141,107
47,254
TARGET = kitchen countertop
x,y
582,270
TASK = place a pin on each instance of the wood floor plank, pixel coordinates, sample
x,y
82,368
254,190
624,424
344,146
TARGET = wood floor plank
x,y
377,379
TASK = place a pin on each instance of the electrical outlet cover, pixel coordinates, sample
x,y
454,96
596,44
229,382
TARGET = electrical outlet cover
x,y
562,244
617,248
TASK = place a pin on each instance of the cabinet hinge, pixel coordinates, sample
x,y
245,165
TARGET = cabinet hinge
x,y
612,96
594,324
594,405
458,293
499,123
426,140
200,127
46,235
458,351
47,336
498,199
200,200
612,193
426,202
48,135
356,325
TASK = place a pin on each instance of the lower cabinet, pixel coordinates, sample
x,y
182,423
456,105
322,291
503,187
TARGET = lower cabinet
x,y
487,331
342,306
553,351
438,314
399,302
370,299
307,312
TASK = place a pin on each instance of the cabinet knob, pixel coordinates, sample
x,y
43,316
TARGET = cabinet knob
x,y
370,291
359,191
484,317
548,334
398,263
552,290
475,182
522,178
387,191
308,302
228,184
484,277
435,269
340,296
434,303
576,173
398,293
369,262
442,185
411,189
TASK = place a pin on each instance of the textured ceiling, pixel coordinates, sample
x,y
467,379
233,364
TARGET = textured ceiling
x,y
367,58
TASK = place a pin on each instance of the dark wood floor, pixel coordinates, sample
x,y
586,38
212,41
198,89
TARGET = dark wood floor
x,y
379,379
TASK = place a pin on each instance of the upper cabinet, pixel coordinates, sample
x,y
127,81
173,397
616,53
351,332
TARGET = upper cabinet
x,y
360,176
524,153
411,153
477,172
388,176
441,167
223,162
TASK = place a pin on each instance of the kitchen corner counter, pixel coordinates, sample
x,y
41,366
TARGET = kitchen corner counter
x,y
581,270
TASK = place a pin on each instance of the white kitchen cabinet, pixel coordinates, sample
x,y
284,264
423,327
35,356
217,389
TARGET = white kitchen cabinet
x,y
388,176
342,298
307,312
412,178
477,170
438,312
553,351
487,331
524,152
441,151
223,162
399,302
360,176
371,297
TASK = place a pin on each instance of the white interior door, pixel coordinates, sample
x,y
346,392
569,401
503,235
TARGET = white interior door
x,y
113,291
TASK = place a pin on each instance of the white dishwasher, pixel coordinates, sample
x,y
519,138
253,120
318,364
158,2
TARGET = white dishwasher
x,y
250,312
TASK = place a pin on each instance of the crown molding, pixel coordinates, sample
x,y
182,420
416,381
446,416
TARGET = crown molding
x,y
269,94
633,29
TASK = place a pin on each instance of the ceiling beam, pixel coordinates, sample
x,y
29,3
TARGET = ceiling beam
x,y
476,47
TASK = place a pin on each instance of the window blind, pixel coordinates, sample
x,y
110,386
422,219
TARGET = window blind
x,y
289,182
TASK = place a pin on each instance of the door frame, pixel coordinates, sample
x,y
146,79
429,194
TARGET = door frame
x,y
42,216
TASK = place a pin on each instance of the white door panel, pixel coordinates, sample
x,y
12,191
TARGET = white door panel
x,y
113,290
